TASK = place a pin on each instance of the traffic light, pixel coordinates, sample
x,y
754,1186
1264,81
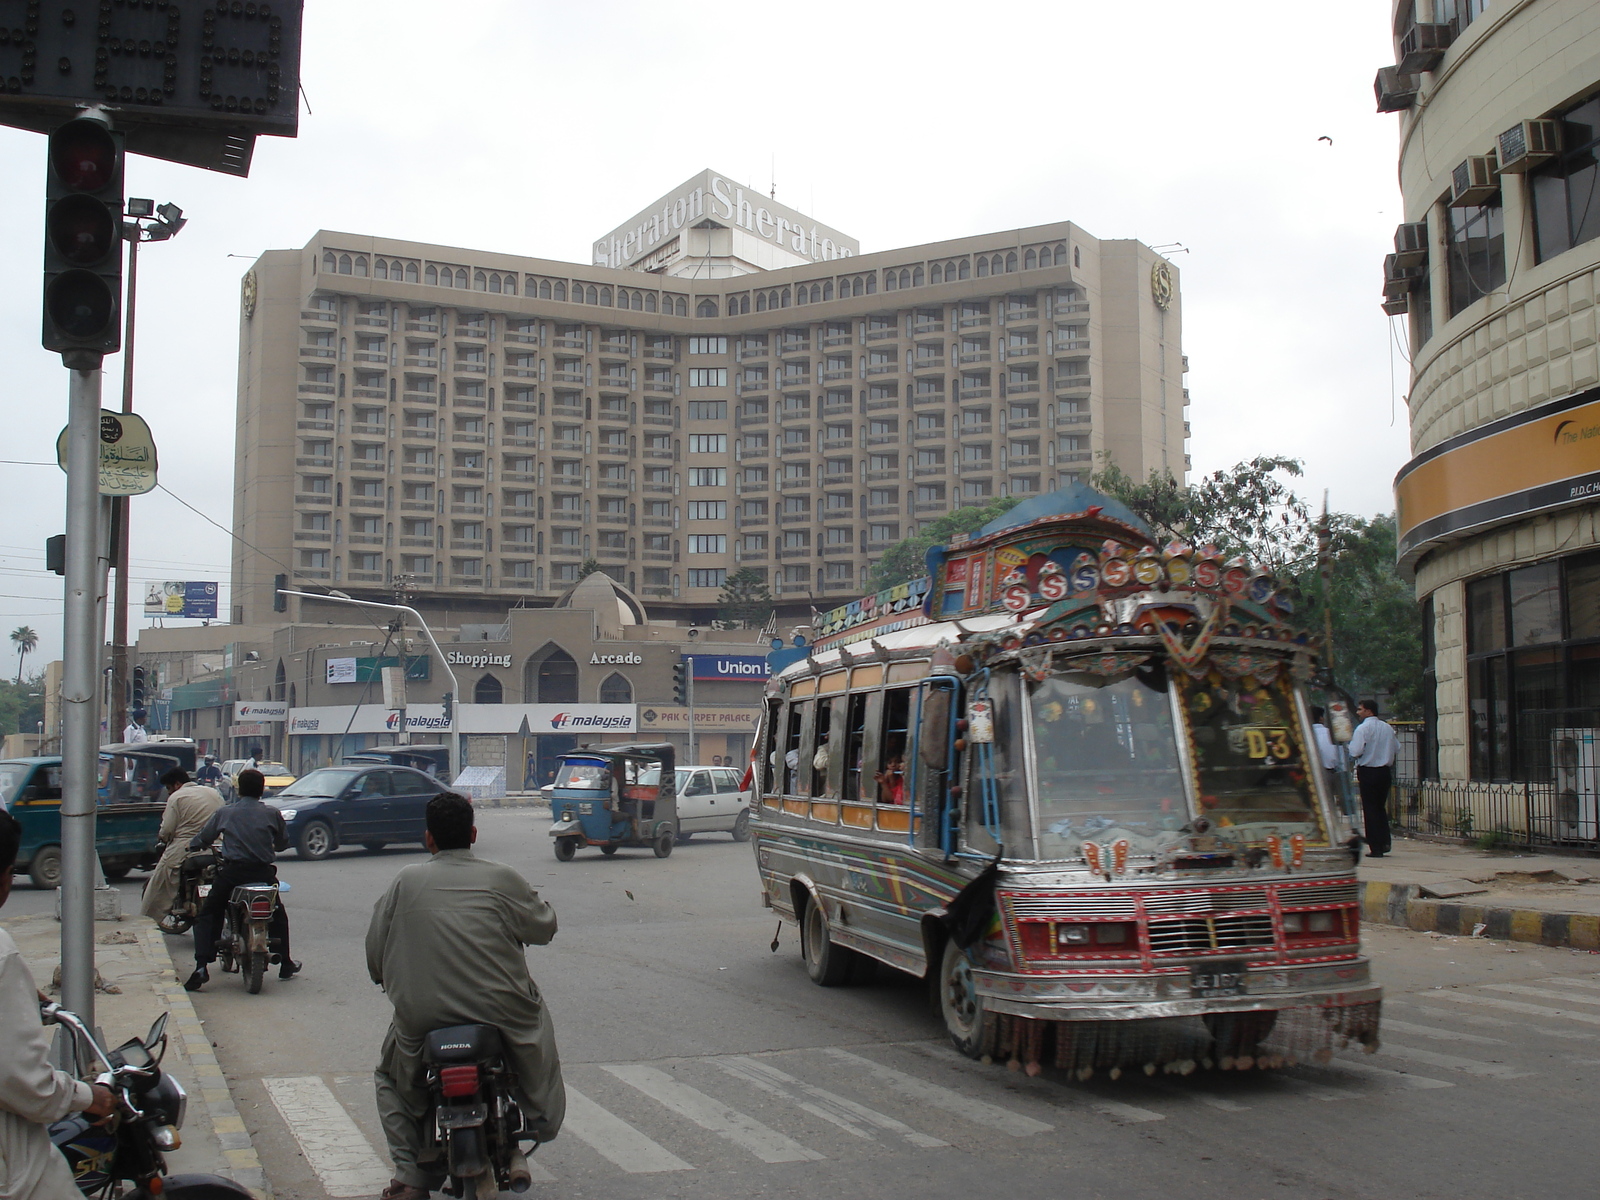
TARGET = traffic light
x,y
280,602
680,681
136,706
55,554
83,240
449,706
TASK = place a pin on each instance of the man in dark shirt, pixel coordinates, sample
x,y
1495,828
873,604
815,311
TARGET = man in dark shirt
x,y
252,834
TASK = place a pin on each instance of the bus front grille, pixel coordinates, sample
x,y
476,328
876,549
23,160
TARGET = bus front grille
x,y
1200,935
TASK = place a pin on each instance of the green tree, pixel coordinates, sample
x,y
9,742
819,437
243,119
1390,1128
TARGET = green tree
x,y
26,641
590,566
907,559
20,711
746,601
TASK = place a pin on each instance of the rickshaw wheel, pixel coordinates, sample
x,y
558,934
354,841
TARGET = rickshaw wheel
x,y
608,850
664,844
566,848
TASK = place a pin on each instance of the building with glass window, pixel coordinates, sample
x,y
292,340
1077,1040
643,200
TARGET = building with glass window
x,y
729,385
1498,268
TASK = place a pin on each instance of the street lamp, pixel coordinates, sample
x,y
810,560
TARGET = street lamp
x,y
144,221
333,595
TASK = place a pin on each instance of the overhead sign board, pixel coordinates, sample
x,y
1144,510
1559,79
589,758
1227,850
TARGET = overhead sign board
x,y
368,670
706,720
192,83
127,454
247,711
182,598
728,666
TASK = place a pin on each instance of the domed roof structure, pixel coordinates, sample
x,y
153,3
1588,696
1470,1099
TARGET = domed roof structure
x,y
613,604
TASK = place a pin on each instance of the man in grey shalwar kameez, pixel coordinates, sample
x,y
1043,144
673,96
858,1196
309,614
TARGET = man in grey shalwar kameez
x,y
189,807
446,943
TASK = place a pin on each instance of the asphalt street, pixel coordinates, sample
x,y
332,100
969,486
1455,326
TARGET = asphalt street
x,y
702,1064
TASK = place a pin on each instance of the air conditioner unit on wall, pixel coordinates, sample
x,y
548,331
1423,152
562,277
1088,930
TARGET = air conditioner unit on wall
x,y
1422,46
1397,306
1527,144
1396,91
1575,757
1474,182
1411,245
1398,280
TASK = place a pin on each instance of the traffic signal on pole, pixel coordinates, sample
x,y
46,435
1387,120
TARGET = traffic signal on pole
x,y
136,705
280,602
83,240
449,706
680,681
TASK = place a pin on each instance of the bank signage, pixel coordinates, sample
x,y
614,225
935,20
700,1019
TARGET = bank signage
x,y
728,666
713,196
248,711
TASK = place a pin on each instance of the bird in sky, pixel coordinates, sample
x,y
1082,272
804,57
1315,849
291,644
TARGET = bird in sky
x,y
1325,138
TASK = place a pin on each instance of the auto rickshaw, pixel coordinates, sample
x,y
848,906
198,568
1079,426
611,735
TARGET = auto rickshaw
x,y
615,796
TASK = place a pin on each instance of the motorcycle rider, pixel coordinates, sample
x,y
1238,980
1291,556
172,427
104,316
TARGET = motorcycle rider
x,y
446,945
210,774
252,833
32,1094
189,807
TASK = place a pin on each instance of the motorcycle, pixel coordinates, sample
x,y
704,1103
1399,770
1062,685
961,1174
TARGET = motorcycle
x,y
242,944
477,1124
129,1146
194,884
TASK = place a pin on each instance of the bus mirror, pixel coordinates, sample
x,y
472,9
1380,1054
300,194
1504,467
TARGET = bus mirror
x,y
934,736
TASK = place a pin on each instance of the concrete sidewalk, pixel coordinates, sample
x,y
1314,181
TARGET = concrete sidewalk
x,y
137,986
1550,899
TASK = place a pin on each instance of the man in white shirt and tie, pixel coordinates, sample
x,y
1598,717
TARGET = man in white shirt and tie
x,y
1372,749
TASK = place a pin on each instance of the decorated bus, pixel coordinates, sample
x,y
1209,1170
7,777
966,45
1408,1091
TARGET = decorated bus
x,y
1070,780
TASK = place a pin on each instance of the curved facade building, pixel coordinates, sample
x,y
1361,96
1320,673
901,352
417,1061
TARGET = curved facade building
x,y
1497,269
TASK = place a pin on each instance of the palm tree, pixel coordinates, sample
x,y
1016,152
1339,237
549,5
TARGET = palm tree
x,y
26,641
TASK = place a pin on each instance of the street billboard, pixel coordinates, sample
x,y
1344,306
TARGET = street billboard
x,y
181,598
728,666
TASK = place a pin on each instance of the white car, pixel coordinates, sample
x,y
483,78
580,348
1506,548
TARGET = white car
x,y
709,801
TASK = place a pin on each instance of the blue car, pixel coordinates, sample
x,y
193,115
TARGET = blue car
x,y
371,807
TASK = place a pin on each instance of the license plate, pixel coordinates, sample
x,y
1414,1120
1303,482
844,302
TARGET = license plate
x,y
1218,979
203,890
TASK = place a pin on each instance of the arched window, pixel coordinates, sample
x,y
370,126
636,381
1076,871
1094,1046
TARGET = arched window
x,y
591,295
706,308
605,297
344,264
872,283
361,265
279,682
890,281
411,272
936,274
638,302
561,290
963,269
680,307
905,279
744,303
983,268
1011,261
488,691
800,295
1029,261
330,264
380,269
544,289
816,293
1077,257
650,302
785,301
552,678
494,283
827,290
616,689
461,277
511,285
857,286
761,302
916,277
432,274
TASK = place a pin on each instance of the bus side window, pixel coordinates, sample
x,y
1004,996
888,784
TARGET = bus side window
x,y
821,749
854,745
794,727
932,780
838,746
769,764
890,773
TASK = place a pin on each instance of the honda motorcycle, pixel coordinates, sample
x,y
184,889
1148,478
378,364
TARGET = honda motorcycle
x,y
242,944
477,1124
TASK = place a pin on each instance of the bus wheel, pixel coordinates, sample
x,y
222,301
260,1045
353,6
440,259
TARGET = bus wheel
x,y
965,1017
827,964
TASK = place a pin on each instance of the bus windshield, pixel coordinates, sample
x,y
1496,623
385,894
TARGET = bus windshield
x,y
1107,765
1250,758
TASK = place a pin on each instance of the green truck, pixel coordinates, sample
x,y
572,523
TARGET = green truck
x,y
127,820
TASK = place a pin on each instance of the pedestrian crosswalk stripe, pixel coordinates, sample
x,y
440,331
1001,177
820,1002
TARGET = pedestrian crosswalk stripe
x,y
829,1106
1403,1078
1390,1025
615,1139
766,1144
1568,981
1493,1022
979,1112
1209,1099
1470,1066
1311,1090
1517,989
1118,1111
1535,1010
333,1146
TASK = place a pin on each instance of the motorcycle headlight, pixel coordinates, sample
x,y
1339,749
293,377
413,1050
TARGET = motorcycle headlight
x,y
166,1137
167,1103
289,813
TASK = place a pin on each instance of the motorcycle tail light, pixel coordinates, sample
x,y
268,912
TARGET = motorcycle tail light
x,y
260,908
458,1081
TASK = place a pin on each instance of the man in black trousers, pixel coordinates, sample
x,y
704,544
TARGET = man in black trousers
x,y
1372,749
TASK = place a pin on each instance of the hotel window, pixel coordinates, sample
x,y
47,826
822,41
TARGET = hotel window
x,y
316,560
707,579
880,497
708,510
708,476
708,376
366,562
797,539
708,345
708,443
755,475
796,504
708,543
708,410
1566,190
839,535
753,542
1477,253
658,510
883,533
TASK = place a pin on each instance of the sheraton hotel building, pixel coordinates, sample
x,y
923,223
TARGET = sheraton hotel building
x,y
728,384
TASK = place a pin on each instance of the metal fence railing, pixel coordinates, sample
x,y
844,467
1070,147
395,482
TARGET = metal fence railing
x,y
1494,815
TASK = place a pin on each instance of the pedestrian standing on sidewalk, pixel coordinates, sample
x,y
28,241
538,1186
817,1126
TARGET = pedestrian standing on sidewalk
x,y
1329,755
32,1094
1372,749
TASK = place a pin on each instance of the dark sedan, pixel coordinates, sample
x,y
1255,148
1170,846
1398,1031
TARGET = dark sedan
x,y
344,806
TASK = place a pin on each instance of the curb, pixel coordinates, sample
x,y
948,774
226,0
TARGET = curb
x,y
232,1136
1402,905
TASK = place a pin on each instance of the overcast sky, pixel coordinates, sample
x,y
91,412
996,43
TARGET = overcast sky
x,y
532,128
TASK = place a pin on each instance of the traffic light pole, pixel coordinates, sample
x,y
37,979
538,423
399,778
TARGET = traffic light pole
x,y
119,602
80,690
689,691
